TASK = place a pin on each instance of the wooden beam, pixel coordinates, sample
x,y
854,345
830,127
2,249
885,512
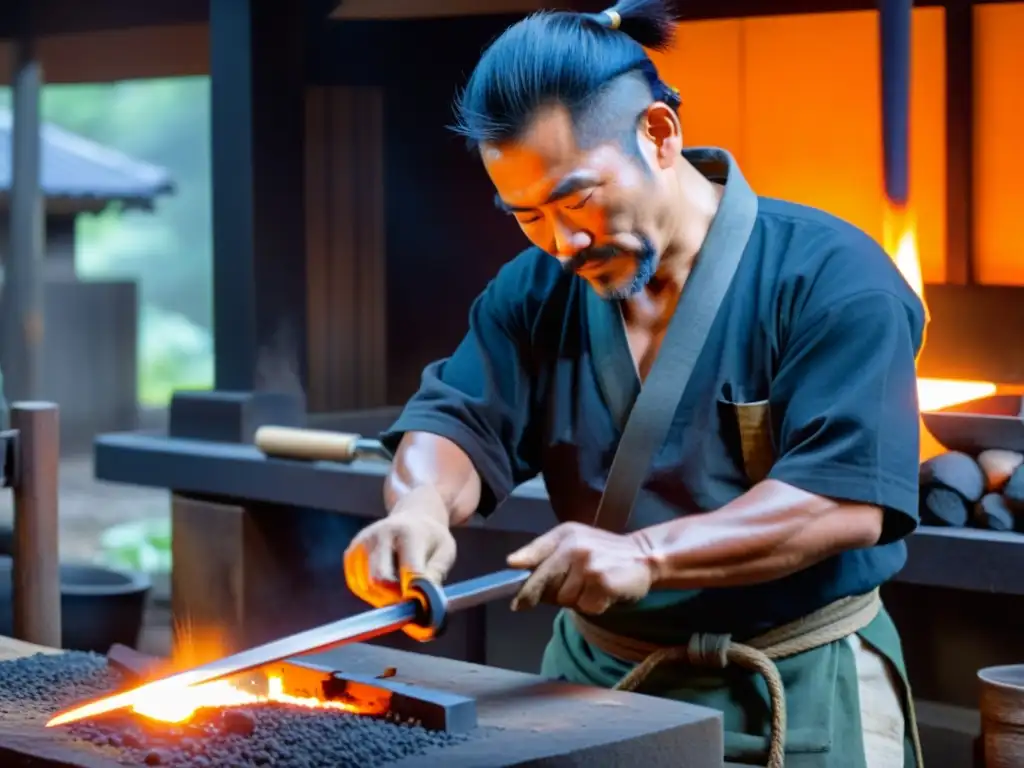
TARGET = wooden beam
x,y
423,9
257,90
110,55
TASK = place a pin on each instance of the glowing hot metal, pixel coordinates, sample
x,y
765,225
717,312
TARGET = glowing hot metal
x,y
428,607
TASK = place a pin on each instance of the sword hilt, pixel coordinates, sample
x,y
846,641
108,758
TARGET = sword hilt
x,y
432,615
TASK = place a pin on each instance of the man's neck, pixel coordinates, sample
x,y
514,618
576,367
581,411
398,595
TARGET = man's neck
x,y
697,202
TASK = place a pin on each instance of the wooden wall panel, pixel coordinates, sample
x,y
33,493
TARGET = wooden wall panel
x,y
345,248
797,100
712,111
998,149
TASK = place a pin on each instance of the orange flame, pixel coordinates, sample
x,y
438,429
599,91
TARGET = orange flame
x,y
178,702
900,242
179,706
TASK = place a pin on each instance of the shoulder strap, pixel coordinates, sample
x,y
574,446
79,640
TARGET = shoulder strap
x,y
651,415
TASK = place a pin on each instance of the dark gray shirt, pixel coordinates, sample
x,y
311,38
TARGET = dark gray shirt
x,y
818,321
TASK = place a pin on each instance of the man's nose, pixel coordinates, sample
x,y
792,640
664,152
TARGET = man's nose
x,y
569,242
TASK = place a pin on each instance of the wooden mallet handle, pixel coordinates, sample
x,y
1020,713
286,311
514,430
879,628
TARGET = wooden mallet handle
x,y
306,444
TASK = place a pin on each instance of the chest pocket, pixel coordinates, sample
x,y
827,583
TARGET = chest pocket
x,y
749,435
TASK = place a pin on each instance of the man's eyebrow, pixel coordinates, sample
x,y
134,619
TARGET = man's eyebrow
x,y
569,185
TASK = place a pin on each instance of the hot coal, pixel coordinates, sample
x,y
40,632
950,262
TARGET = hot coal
x,y
34,688
998,466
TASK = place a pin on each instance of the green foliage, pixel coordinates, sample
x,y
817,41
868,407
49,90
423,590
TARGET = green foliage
x,y
142,545
168,250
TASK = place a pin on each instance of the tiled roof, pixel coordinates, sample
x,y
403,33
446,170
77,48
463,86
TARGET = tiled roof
x,y
76,167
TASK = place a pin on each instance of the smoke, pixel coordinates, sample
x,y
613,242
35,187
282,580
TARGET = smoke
x,y
277,364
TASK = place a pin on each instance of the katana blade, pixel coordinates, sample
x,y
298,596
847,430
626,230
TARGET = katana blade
x,y
363,626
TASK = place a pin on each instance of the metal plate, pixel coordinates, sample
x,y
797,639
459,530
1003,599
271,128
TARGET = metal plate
x,y
972,427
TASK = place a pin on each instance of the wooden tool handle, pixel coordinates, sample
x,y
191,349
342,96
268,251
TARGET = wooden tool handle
x,y
307,444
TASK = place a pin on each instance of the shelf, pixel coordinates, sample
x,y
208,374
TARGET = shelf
x,y
967,559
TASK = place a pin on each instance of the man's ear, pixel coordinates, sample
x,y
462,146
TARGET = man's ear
x,y
660,125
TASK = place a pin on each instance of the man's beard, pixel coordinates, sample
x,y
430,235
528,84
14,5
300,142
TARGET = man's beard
x,y
646,261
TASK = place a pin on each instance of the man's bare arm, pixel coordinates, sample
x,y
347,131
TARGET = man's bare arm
x,y
771,531
435,471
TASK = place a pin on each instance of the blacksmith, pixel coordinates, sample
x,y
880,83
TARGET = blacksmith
x,y
766,349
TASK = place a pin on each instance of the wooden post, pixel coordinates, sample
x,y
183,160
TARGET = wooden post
x,y
36,582
21,311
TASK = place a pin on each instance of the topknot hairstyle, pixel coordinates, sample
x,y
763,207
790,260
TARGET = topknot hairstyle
x,y
595,65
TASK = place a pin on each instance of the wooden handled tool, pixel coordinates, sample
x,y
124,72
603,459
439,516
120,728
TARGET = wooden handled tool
x,y
317,445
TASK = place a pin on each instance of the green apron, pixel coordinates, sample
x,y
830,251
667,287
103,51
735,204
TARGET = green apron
x,y
823,728
823,708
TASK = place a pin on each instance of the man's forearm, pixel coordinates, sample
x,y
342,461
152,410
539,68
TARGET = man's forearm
x,y
435,471
771,531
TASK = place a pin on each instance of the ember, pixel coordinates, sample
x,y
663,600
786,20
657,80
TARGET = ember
x,y
180,705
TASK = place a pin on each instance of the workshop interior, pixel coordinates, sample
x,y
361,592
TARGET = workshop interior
x,y
234,232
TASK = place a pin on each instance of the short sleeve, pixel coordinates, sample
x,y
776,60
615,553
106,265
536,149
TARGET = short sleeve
x,y
480,398
844,402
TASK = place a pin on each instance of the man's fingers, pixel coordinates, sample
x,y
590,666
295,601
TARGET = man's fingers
x,y
593,600
536,552
410,550
441,560
381,558
547,577
572,587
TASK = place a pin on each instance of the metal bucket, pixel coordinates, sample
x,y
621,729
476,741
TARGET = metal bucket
x,y
1002,715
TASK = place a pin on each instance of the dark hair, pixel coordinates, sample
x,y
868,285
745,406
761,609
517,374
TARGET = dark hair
x,y
593,64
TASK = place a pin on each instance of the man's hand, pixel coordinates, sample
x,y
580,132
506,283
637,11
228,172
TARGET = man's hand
x,y
584,568
414,540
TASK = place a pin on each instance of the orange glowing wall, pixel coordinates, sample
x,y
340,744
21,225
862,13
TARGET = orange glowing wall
x,y
999,144
797,100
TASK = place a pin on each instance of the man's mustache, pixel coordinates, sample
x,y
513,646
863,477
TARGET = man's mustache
x,y
588,257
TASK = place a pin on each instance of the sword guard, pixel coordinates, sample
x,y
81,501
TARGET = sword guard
x,y
432,616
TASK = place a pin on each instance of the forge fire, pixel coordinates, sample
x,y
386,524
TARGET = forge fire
x,y
217,724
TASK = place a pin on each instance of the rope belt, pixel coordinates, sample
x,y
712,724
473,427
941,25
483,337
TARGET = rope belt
x,y
830,624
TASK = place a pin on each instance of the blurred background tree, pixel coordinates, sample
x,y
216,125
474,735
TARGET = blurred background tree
x,y
168,251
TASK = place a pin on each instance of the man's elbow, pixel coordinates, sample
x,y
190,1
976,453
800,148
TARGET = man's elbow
x,y
858,526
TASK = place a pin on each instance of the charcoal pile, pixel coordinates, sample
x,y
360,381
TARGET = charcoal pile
x,y
34,688
983,491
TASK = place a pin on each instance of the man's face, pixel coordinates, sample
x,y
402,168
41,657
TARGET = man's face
x,y
599,211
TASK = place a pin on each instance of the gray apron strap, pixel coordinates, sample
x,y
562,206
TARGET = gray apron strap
x,y
616,373
649,418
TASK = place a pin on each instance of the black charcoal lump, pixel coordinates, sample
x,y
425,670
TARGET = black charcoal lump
x,y
1014,491
957,472
951,483
993,513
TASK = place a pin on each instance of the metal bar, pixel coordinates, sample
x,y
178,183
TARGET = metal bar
x,y
960,269
895,18
363,626
36,579
22,305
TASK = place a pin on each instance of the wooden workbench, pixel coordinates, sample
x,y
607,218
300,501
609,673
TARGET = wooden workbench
x,y
17,649
522,719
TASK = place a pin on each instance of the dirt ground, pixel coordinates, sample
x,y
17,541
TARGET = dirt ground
x,y
87,508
